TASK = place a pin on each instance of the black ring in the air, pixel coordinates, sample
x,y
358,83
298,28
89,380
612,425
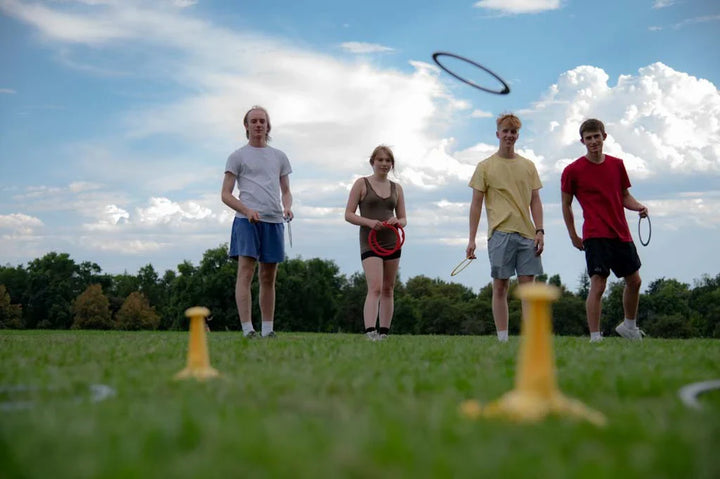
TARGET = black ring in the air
x,y
504,91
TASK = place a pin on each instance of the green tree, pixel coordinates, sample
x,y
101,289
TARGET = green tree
x,y
349,312
53,283
10,314
308,295
704,303
136,313
91,309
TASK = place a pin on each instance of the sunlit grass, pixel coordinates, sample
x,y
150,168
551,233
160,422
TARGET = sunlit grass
x,y
333,405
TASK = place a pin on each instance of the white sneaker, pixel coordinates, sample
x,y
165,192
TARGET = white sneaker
x,y
373,336
599,339
633,334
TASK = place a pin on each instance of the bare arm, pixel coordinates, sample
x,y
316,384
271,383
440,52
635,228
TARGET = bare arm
x,y
356,194
287,198
227,197
632,204
400,216
536,210
569,218
475,211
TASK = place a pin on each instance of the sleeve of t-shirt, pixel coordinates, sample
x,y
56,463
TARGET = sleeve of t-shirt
x,y
535,178
285,168
477,181
232,165
566,183
624,179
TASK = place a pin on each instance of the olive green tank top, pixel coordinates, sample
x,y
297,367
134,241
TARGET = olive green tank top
x,y
375,207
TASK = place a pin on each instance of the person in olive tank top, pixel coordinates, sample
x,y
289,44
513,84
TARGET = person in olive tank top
x,y
380,201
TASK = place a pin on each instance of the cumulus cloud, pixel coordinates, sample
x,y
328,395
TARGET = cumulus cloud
x,y
519,6
658,120
163,211
19,224
362,47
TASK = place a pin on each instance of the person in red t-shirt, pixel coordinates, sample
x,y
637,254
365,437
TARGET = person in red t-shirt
x,y
600,183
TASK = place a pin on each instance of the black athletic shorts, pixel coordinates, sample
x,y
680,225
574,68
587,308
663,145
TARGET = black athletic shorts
x,y
373,254
605,254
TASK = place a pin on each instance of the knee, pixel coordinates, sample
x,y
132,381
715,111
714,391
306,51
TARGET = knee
x,y
374,290
500,290
634,282
387,291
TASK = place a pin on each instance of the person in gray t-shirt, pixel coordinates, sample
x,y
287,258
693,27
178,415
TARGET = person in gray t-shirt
x,y
261,173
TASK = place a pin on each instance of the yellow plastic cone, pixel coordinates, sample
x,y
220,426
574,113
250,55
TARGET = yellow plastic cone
x,y
198,362
536,392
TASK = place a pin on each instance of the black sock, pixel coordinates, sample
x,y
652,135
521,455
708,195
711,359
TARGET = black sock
x,y
382,330
370,329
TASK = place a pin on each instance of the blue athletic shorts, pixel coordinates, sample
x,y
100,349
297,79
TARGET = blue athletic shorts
x,y
262,241
512,253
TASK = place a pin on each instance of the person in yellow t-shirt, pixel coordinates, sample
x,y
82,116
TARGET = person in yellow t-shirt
x,y
510,187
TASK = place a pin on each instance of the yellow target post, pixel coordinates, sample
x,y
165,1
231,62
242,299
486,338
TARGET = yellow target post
x,y
536,394
198,359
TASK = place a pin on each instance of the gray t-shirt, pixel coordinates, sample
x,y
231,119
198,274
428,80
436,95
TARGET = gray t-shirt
x,y
257,172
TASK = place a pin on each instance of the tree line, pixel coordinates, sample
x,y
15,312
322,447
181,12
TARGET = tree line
x,y
55,292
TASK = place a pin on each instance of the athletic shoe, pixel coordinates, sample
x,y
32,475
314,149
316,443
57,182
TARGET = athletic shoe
x,y
373,336
270,335
382,337
252,335
596,340
633,334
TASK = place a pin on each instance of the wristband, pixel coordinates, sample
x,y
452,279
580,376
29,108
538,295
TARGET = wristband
x,y
539,230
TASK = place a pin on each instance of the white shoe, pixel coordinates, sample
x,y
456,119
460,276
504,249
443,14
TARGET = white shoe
x,y
633,334
373,336
596,340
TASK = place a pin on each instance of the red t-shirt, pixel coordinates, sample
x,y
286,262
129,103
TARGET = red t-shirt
x,y
599,189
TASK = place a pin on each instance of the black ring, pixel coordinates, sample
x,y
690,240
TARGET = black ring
x,y
645,243
504,91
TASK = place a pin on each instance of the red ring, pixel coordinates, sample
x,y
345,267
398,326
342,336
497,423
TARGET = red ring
x,y
379,250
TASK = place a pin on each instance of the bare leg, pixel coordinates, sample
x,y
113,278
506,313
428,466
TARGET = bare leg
x,y
500,304
387,301
246,269
266,277
522,279
593,304
631,295
373,268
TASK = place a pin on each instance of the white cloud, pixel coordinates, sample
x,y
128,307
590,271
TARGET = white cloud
x,y
362,47
481,114
519,6
663,3
163,211
696,20
19,223
659,120
129,247
65,26
7,91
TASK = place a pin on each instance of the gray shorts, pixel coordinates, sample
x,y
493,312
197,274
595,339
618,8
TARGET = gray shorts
x,y
512,253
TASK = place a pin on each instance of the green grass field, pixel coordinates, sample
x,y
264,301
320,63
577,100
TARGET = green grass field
x,y
336,405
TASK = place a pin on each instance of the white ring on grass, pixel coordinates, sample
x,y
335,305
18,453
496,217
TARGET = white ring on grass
x,y
688,394
98,392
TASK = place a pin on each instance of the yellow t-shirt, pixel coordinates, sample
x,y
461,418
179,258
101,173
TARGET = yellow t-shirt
x,y
507,185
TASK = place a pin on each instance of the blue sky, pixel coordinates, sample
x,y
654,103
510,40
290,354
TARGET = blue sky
x,y
117,116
